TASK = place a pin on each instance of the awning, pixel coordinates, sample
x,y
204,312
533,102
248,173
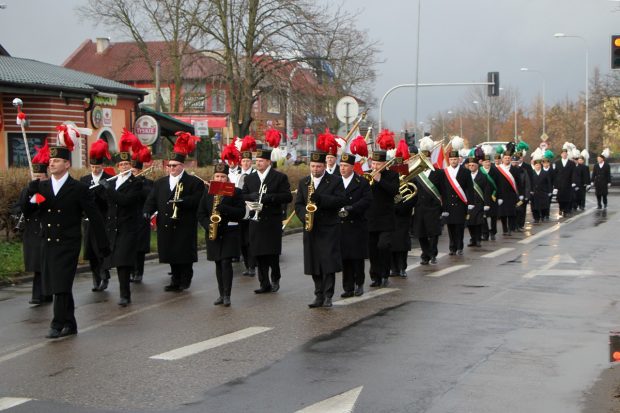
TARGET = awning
x,y
215,122
168,125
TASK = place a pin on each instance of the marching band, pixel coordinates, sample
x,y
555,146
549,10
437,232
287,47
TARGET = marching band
x,y
347,216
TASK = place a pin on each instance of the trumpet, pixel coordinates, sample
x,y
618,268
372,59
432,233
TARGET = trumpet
x,y
370,176
177,195
215,218
310,208
261,191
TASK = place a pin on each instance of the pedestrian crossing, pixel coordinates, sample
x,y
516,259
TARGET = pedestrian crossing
x,y
10,402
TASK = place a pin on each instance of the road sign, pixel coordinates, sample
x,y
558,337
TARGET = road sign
x,y
347,109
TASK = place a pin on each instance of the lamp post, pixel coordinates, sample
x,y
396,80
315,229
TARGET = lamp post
x,y
542,76
585,43
417,71
488,119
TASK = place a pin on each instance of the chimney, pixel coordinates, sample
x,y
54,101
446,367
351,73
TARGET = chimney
x,y
102,44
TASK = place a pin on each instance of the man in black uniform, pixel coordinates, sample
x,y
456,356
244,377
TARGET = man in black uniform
x,y
98,152
541,189
400,242
601,178
322,258
457,187
144,225
331,165
481,200
175,198
583,173
381,220
489,170
248,260
123,221
564,175
266,218
508,195
354,234
546,167
61,213
524,189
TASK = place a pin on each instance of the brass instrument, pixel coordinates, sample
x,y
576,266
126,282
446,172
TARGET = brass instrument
x,y
215,218
288,220
128,171
370,176
261,191
407,189
354,127
310,208
177,195
145,171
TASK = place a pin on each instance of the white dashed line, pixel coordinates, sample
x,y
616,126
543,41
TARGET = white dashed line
x,y
8,402
448,270
497,253
366,296
341,403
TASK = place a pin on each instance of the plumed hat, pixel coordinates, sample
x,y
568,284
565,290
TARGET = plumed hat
x,y
183,146
231,154
98,151
359,147
272,137
327,143
385,140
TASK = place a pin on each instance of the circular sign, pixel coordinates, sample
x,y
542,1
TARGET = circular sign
x,y
96,117
347,109
146,129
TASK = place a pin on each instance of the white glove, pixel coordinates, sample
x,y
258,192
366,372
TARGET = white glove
x,y
608,185
445,214
500,201
573,184
486,208
470,207
576,188
520,197
555,191
588,187
550,195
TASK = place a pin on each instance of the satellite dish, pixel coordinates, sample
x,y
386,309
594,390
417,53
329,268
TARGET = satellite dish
x,y
347,109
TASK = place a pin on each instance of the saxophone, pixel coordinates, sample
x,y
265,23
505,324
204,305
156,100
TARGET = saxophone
x,y
177,195
215,218
310,208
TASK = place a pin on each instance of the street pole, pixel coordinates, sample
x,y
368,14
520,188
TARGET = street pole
x,y
417,72
516,116
488,119
289,103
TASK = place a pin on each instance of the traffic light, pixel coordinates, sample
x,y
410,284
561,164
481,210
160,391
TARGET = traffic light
x,y
493,88
615,52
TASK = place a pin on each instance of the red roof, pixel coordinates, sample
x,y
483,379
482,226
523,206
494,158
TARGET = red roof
x,y
124,62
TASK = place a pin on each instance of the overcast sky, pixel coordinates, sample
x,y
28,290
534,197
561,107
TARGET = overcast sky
x,y
460,41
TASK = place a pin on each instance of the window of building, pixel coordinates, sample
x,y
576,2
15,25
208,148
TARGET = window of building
x,y
273,104
218,101
17,149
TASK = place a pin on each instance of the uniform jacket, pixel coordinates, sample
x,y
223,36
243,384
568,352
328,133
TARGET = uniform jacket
x,y
90,248
401,240
583,175
428,209
380,215
541,190
176,238
507,194
144,231
477,214
31,237
564,178
354,237
61,217
451,201
493,174
227,243
601,177
322,244
266,233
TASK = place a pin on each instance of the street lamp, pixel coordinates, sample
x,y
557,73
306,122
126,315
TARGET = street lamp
x,y
542,76
585,43
417,70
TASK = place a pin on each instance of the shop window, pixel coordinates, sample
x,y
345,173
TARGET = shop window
x,y
17,149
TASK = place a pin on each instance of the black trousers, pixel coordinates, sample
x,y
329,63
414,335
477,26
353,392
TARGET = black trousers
x,y
379,254
489,229
565,206
352,274
475,233
545,213
64,312
264,263
224,275
37,288
429,247
538,214
248,260
582,197
182,274
456,232
603,198
398,261
123,281
99,273
139,266
521,211
509,223
324,285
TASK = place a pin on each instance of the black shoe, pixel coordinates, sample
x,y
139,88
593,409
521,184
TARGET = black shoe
x,y
173,288
226,301
327,302
385,282
359,290
376,283
68,331
251,272
318,302
35,301
403,274
434,260
599,207
275,286
424,262
263,290
124,302
219,301
246,271
471,244
485,238
459,252
103,285
53,333
492,237
452,253
346,294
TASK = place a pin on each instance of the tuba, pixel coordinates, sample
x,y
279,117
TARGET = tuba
x,y
215,218
310,208
407,189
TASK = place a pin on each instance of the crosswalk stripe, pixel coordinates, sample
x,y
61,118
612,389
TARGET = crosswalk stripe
x,y
196,348
8,402
497,253
448,270
416,265
341,403
366,296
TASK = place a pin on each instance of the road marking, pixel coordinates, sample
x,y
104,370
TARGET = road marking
x,y
448,270
416,265
33,347
497,253
562,273
341,403
555,227
552,262
196,348
8,402
366,296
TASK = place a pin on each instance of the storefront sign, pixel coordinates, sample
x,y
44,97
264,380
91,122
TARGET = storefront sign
x,y
201,128
106,99
146,129
107,117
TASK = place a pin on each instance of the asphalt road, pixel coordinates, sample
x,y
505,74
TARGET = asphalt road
x,y
520,324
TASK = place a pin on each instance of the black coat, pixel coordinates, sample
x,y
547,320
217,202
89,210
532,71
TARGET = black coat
x,y
477,214
492,176
144,231
564,180
540,195
227,243
401,240
176,238
266,233
583,175
451,201
123,222
507,193
322,244
427,211
336,171
380,215
354,234
90,246
61,217
601,178
31,237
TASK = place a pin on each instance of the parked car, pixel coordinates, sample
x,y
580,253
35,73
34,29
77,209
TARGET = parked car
x,y
615,174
